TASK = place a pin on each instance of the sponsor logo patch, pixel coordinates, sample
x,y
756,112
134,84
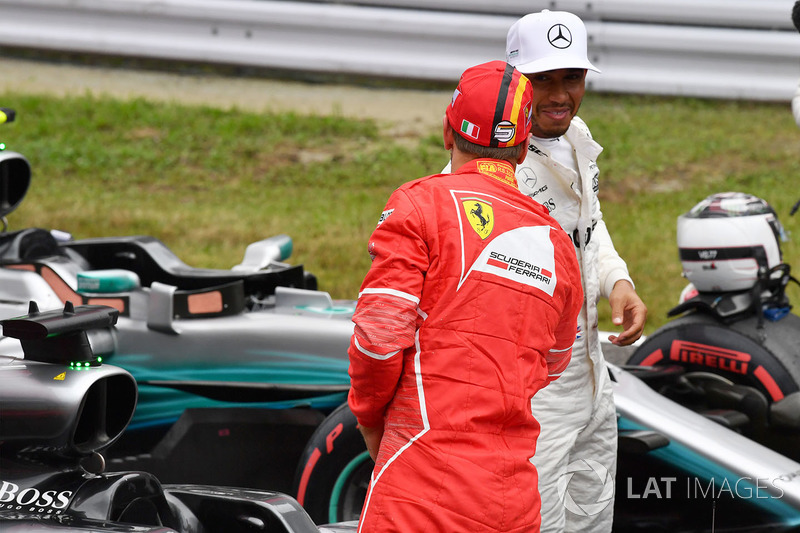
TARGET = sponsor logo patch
x,y
384,216
595,176
535,149
520,267
498,170
469,129
710,356
523,255
480,216
528,177
559,36
32,500
504,131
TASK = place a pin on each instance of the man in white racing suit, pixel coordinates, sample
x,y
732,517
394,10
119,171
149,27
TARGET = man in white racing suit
x,y
576,455
796,99
469,308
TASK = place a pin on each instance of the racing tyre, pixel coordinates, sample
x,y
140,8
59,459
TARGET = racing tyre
x,y
743,366
334,471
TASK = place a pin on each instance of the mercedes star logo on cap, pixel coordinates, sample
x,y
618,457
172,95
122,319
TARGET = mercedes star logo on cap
x,y
559,36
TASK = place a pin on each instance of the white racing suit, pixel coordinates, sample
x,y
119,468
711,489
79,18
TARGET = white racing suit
x,y
796,105
576,454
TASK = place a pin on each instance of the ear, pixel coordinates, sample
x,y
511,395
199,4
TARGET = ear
x,y
447,134
523,150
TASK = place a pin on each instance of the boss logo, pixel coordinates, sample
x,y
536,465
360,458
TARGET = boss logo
x,y
32,499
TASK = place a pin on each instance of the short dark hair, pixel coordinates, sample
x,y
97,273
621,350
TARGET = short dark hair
x,y
508,153
796,15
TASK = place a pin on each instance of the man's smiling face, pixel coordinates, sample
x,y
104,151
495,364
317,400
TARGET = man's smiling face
x,y
557,95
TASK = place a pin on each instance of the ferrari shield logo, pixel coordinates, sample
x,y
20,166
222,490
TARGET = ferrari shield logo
x,y
480,216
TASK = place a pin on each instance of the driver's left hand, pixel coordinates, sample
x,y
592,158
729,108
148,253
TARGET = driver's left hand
x,y
628,311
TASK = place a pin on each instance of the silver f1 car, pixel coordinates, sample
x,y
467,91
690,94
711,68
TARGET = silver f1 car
x,y
235,368
61,408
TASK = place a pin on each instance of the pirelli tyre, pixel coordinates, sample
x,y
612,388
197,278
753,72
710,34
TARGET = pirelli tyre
x,y
754,366
334,471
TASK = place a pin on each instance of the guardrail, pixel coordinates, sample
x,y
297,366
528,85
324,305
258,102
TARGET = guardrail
x,y
660,47
770,14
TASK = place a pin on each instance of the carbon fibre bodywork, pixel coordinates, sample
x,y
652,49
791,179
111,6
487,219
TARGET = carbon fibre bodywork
x,y
226,352
61,408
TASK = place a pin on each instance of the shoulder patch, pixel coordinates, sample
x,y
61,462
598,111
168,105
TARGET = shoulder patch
x,y
384,216
524,255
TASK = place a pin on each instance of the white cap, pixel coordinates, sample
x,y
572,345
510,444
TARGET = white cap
x,y
548,40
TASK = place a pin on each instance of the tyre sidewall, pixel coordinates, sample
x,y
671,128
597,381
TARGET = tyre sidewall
x,y
735,351
333,453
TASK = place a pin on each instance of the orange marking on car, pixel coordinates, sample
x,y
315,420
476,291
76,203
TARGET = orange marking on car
x,y
312,461
335,432
653,358
769,383
205,303
60,287
116,303
29,268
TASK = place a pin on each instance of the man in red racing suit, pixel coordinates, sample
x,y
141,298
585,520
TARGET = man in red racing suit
x,y
468,309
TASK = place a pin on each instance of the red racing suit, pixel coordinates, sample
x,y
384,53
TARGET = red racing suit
x,y
469,308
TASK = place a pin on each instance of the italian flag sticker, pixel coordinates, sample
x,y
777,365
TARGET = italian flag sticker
x,y
469,129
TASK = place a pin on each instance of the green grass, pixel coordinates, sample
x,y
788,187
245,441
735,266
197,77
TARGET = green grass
x,y
663,155
207,182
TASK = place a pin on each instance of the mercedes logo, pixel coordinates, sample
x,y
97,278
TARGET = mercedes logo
x,y
559,36
528,177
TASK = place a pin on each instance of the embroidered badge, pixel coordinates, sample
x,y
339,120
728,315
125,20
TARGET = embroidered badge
x,y
499,170
480,216
385,215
